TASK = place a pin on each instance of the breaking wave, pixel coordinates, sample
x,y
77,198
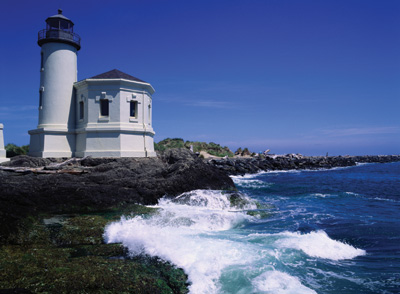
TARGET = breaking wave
x,y
203,233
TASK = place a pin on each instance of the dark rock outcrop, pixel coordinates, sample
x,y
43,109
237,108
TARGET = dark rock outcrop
x,y
30,186
241,166
46,186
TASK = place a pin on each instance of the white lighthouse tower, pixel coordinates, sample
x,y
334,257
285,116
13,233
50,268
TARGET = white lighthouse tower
x,y
55,133
2,150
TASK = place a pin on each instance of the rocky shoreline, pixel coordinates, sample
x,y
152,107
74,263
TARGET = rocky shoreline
x,y
243,165
29,186
53,213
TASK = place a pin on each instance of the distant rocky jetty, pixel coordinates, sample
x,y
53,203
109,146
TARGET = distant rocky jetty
x,y
243,165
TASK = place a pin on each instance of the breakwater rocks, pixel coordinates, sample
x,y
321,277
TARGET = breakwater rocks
x,y
30,186
241,166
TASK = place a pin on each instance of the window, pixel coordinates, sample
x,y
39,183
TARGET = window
x,y
104,107
149,114
133,109
41,61
40,98
81,110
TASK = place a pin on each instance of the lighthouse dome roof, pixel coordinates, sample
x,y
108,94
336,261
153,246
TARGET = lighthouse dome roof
x,y
59,16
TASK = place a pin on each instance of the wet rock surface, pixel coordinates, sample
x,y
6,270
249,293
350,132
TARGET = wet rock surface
x,y
241,166
29,186
53,213
67,254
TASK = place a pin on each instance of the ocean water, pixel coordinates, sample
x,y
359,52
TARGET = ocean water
x,y
325,231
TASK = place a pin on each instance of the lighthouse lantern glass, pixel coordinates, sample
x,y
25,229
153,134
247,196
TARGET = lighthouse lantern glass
x,y
59,24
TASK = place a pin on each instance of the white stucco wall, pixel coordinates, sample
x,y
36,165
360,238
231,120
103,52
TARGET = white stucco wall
x,y
118,134
2,150
57,77
52,143
55,133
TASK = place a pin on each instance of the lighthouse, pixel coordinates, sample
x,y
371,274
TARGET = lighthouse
x,y
2,150
55,133
107,115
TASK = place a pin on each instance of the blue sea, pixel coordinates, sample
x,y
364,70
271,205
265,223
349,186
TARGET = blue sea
x,y
323,231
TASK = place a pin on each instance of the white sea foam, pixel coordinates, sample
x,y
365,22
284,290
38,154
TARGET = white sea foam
x,y
199,232
276,282
314,244
202,257
385,199
309,170
364,163
246,183
185,235
322,195
318,244
285,171
351,193
248,176
249,181
375,198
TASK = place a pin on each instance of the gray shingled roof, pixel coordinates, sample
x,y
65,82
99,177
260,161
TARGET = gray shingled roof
x,y
117,74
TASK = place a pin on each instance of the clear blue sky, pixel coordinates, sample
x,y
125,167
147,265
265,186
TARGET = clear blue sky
x,y
295,76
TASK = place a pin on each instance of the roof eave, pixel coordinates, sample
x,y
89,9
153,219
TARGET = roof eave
x,y
83,82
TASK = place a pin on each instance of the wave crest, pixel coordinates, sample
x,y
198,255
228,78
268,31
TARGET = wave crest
x,y
318,244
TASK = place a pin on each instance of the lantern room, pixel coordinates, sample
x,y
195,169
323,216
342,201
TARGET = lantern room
x,y
59,29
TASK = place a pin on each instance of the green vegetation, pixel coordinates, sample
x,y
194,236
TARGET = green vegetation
x,y
169,143
244,152
211,148
14,150
66,254
238,151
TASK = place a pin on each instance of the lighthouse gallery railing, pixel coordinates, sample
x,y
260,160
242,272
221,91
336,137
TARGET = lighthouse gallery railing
x,y
59,35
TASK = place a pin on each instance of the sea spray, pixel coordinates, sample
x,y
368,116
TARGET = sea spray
x,y
214,242
249,181
277,282
185,232
314,244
